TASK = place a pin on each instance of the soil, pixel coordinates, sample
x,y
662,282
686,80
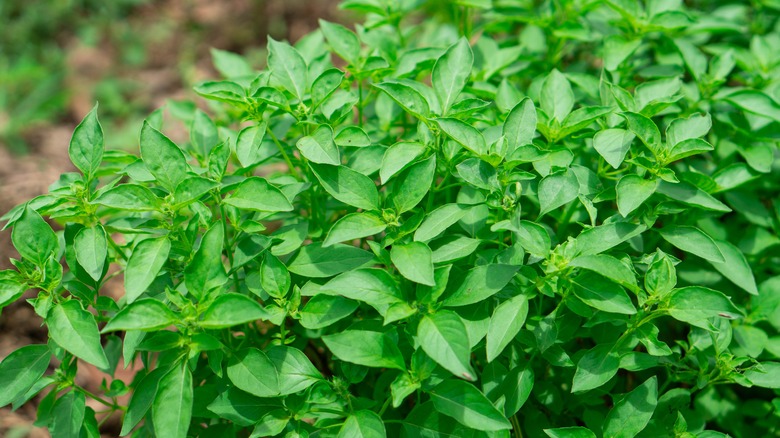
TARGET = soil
x,y
175,59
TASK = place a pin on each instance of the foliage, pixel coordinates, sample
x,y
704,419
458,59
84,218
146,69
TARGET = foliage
x,y
530,218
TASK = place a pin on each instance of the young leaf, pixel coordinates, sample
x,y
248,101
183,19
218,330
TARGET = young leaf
x,y
631,414
146,315
451,72
413,261
632,191
348,186
86,146
145,262
354,226
75,330
21,369
466,404
91,248
288,67
557,97
256,194
172,407
443,337
34,238
367,348
206,271
505,324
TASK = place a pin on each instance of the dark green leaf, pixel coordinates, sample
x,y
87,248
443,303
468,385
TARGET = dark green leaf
x,y
443,337
21,369
317,261
697,305
631,414
466,404
75,330
232,309
145,262
480,283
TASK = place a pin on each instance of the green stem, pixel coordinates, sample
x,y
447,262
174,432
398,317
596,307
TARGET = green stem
x,y
286,157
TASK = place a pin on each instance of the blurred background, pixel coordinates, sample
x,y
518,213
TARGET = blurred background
x,y
58,57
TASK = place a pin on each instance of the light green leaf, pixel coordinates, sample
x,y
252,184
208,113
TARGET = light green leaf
x,y
205,270
632,191
343,41
145,262
557,97
443,337
505,324
86,146
406,97
323,310
232,309
466,404
691,195
413,261
556,190
451,72
696,305
316,261
131,197
163,158
252,371
631,414
146,315
609,267
481,283
439,220
21,369
348,186
296,372
354,226
91,249
172,407
603,237
274,277
257,194
319,147
411,186
602,294
520,125
372,286
367,348
397,157
570,432
613,145
595,368
287,67
34,238
736,268
694,241
363,424
645,129
765,376
75,330
464,134
67,415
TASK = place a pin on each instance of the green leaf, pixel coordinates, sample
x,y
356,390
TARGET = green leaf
x,y
75,330
505,324
481,283
604,237
252,371
172,407
144,264
363,424
367,348
324,310
164,160
413,261
479,174
141,400
352,136
192,189
242,408
372,286
765,376
691,195
203,133
602,294
695,126
466,404
696,305
411,186
736,268
91,249
86,146
407,98
146,315
320,147
274,276
206,271
21,369
272,423
452,248
694,241
343,41
316,261
67,416
257,194
613,145
10,291
443,337
287,67
557,97
609,267
631,414
325,84
556,190
249,145
230,65
34,238
348,186
296,372
131,197
354,226
632,191
464,134
645,129
595,368
451,72
397,157
439,220
570,432
755,102
520,125
232,309
616,50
